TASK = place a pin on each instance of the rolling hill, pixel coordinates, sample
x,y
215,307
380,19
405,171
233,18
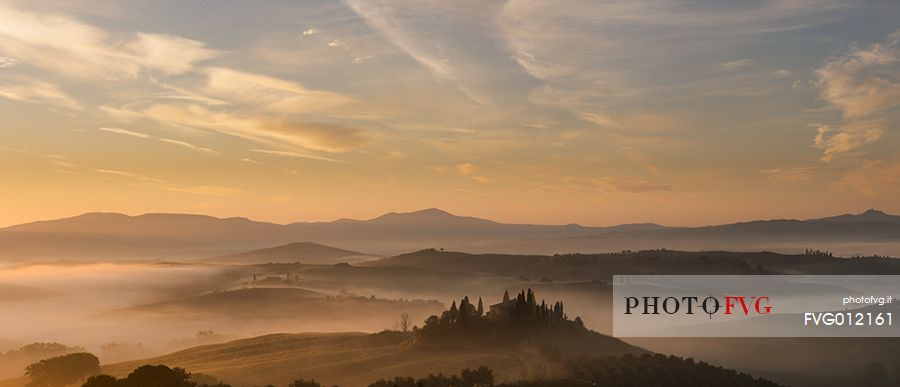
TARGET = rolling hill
x,y
354,359
99,236
587,267
871,232
278,309
302,252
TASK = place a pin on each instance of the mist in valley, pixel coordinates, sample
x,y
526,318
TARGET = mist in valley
x,y
283,306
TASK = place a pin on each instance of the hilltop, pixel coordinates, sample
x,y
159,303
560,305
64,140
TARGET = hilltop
x,y
587,267
302,252
518,338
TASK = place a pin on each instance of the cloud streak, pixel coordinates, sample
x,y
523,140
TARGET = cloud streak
x,y
268,93
125,132
298,155
162,184
39,92
620,184
145,136
188,145
861,84
269,165
65,45
7,62
257,128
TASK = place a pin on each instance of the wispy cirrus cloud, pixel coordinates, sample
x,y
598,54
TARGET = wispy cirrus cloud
x,y
145,136
473,172
382,18
734,64
60,162
439,37
162,184
269,165
846,138
614,185
863,81
789,174
299,155
125,132
257,128
250,106
631,65
88,52
188,145
7,62
268,93
38,92
861,84
628,185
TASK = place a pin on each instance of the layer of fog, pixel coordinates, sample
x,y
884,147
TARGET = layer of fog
x,y
62,302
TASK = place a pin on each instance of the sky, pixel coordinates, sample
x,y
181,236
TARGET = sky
x,y
592,112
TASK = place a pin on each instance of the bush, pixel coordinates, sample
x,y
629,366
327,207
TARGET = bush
x,y
304,383
62,370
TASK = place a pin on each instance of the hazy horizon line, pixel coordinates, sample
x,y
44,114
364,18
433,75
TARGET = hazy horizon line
x,y
434,209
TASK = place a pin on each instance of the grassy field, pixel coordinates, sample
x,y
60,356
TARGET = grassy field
x,y
345,359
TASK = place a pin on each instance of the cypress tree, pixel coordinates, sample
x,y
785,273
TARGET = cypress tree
x,y
453,311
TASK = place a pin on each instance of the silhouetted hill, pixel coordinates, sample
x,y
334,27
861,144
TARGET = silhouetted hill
x,y
182,236
123,237
148,225
352,359
179,236
282,308
602,266
871,215
458,261
872,232
303,252
431,216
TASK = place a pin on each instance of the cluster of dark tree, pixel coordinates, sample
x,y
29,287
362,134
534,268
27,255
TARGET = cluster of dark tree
x,y
15,360
479,377
828,254
652,370
873,257
508,317
39,351
613,371
610,371
818,253
62,370
609,253
163,376
616,371
151,376
79,367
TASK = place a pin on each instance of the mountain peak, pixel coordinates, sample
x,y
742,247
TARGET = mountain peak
x,y
432,211
870,215
424,217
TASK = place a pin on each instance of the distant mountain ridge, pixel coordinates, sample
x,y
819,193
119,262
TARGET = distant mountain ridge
x,y
98,236
871,215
